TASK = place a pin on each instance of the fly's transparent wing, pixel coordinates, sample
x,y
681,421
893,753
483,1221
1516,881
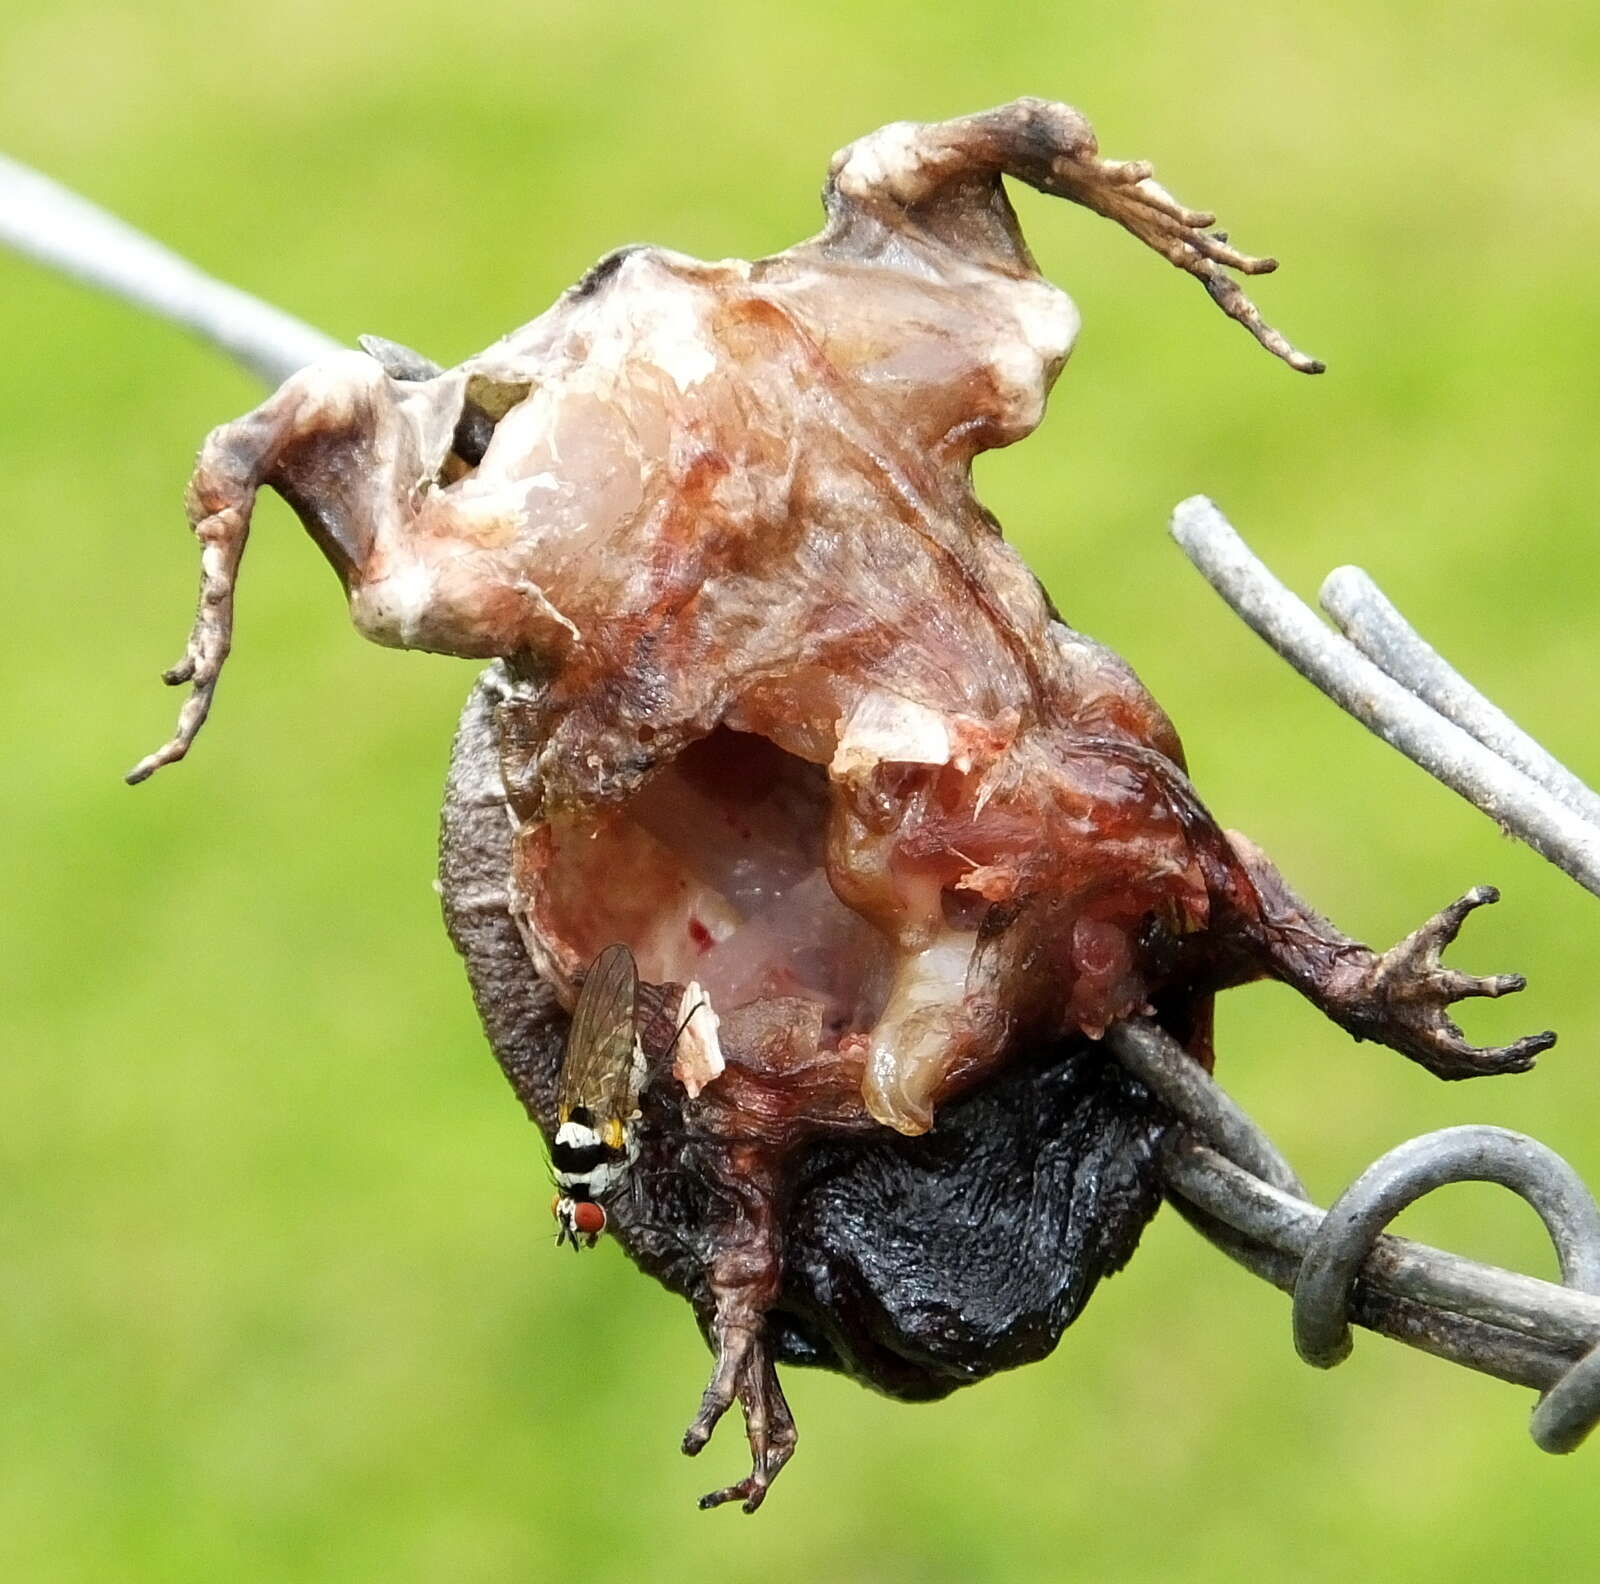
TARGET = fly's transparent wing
x,y
598,1071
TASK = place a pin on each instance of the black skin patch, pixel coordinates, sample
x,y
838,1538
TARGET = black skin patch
x,y
917,1265
599,273
474,429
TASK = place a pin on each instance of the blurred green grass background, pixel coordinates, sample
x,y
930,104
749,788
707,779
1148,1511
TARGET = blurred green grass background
x,y
280,1295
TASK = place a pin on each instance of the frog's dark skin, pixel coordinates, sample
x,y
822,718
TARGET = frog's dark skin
x,y
1026,1194
781,711
912,1265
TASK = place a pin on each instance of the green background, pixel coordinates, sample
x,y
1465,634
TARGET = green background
x,y
280,1299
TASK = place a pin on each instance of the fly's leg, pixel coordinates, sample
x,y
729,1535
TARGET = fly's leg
x,y
1399,998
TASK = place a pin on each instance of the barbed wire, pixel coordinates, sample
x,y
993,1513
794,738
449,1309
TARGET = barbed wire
x,y
1222,1173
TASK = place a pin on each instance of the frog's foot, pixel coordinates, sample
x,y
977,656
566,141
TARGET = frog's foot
x,y
222,535
1126,191
744,1368
935,174
1401,999
322,441
744,1276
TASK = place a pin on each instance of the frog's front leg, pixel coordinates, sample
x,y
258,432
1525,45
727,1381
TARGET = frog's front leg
x,y
346,452
1399,998
377,469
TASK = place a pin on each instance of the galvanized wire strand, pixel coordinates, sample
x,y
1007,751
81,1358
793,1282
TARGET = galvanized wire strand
x,y
1367,617
53,225
1337,668
1341,1267
1190,1092
1461,1339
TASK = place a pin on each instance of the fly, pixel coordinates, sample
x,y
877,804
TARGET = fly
x,y
597,1104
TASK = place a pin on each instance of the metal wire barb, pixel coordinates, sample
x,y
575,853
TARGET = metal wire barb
x,y
1223,1174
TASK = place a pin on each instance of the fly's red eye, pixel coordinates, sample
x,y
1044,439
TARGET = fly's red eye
x,y
589,1218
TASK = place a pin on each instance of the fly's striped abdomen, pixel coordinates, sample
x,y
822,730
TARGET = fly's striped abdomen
x,y
597,1102
586,1165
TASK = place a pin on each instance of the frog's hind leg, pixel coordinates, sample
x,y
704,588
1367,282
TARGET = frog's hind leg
x,y
1399,998
744,1275
769,1427
942,179
334,442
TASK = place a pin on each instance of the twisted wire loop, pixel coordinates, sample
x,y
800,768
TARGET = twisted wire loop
x,y
1226,1177
1353,1223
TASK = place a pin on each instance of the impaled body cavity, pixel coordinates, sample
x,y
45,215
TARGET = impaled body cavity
x,y
781,711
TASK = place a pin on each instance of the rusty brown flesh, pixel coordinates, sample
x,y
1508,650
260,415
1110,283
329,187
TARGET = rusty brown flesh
x,y
787,715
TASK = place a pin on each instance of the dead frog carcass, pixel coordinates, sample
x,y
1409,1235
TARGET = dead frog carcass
x,y
777,708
